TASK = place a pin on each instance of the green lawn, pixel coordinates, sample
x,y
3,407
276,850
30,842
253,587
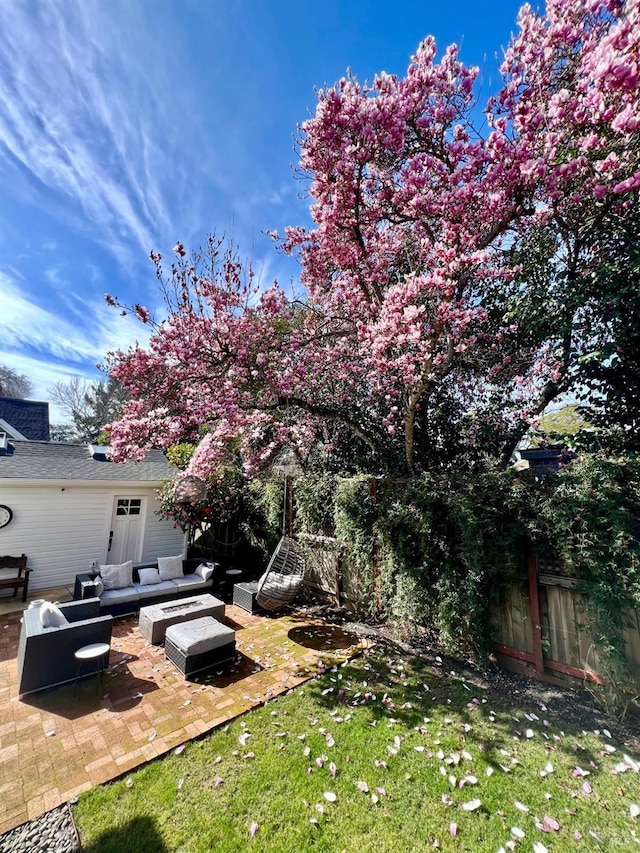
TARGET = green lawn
x,y
379,754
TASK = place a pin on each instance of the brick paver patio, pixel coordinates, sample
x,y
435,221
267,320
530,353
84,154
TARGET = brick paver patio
x,y
54,744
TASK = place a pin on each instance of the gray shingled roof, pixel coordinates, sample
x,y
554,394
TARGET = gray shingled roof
x,y
43,460
27,416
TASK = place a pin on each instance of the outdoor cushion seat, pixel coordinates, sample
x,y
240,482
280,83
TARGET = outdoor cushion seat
x,y
119,596
153,590
199,644
194,582
46,656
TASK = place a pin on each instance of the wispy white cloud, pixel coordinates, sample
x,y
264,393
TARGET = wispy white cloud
x,y
43,375
81,114
81,335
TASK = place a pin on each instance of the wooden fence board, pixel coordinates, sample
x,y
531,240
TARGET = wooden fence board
x,y
511,620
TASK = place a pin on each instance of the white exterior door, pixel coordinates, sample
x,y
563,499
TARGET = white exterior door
x,y
125,537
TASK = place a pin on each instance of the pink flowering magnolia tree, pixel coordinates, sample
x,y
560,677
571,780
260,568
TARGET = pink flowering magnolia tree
x,y
446,276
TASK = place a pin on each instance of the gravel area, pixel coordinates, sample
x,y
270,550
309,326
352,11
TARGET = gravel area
x,y
52,832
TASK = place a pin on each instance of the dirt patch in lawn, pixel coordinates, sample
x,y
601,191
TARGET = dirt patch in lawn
x,y
576,707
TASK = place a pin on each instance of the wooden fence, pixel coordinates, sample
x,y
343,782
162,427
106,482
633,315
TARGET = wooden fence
x,y
330,577
542,628
541,625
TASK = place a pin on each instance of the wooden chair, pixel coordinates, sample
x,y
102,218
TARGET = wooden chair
x,y
14,574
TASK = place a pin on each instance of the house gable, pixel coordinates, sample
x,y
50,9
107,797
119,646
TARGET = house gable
x,y
24,419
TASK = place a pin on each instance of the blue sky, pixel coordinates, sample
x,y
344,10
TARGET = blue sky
x,y
126,125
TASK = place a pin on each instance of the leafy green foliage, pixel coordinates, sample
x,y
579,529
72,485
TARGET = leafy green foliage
x,y
446,537
437,550
590,513
314,497
610,369
180,454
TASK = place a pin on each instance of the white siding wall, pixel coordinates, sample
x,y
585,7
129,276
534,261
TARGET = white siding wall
x,y
161,538
63,530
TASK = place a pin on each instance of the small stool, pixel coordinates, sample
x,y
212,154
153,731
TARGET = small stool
x,y
244,595
94,652
199,644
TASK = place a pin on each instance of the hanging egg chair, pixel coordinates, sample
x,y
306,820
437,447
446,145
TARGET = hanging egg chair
x,y
284,576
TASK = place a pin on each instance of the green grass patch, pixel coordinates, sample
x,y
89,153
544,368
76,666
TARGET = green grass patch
x,y
378,754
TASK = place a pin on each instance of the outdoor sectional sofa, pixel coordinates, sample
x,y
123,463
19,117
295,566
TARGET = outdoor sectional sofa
x,y
188,578
46,656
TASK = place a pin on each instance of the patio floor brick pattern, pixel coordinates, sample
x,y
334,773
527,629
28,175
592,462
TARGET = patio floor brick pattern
x,y
54,744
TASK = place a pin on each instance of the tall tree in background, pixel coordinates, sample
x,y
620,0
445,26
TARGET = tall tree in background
x,y
447,300
14,384
90,405
610,369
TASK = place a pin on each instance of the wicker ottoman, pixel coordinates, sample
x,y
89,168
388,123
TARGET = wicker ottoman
x,y
199,644
244,595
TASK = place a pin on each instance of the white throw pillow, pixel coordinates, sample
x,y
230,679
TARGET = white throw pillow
x,y
98,585
117,576
51,616
149,576
170,567
204,571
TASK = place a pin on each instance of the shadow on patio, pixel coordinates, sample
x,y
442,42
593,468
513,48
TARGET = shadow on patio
x,y
55,744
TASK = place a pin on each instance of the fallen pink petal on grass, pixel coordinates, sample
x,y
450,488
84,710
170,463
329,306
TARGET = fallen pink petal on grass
x,y
253,829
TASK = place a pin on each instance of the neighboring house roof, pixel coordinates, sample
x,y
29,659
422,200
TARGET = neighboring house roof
x,y
43,460
28,418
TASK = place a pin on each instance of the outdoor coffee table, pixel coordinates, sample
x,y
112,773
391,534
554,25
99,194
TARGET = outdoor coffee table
x,y
156,618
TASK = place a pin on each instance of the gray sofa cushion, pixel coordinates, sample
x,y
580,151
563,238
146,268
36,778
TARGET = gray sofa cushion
x,y
152,590
120,596
190,582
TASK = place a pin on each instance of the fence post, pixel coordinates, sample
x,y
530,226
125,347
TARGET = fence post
x,y
534,610
376,552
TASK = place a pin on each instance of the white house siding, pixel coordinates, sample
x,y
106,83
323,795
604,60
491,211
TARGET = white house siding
x,y
64,528
161,538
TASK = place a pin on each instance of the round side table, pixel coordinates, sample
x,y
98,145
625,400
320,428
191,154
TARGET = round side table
x,y
93,652
231,577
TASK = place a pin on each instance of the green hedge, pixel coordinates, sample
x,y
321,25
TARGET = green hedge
x,y
445,544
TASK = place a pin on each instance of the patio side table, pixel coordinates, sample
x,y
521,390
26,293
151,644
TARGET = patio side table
x,y
244,596
98,652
